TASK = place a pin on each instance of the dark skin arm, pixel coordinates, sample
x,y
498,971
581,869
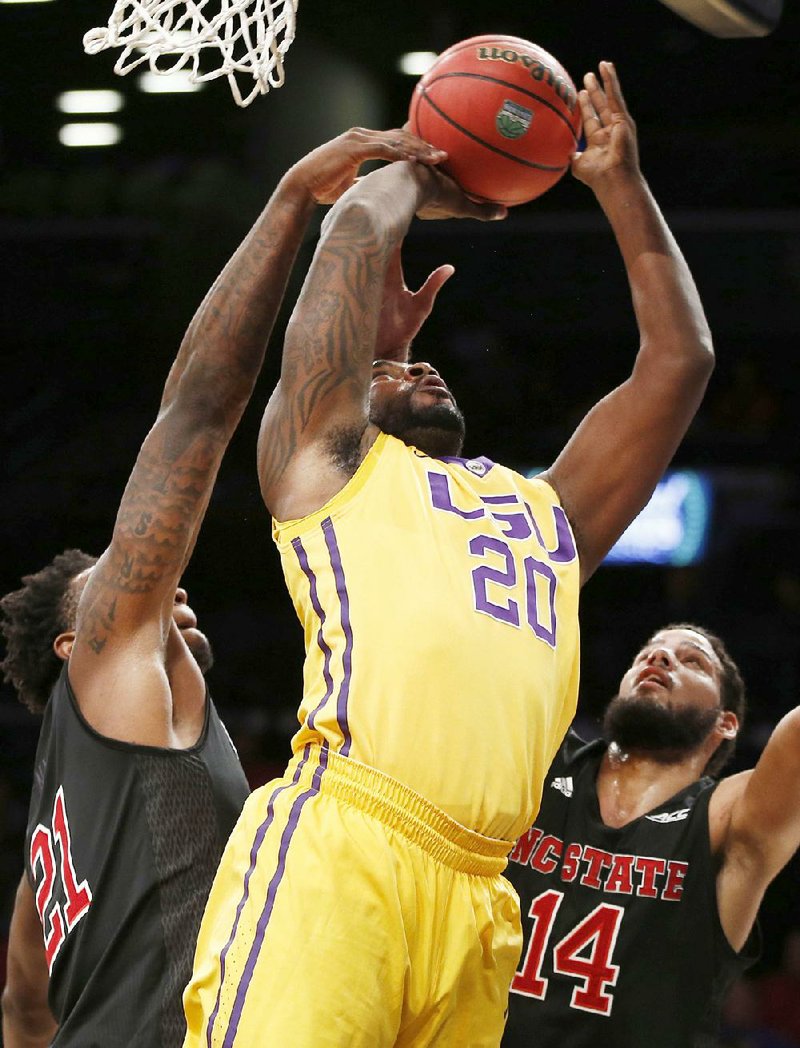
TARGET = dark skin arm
x,y
608,470
125,630
27,1019
754,819
333,335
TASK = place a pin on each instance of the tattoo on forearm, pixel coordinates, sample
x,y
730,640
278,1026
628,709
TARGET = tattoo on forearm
x,y
330,343
158,516
205,393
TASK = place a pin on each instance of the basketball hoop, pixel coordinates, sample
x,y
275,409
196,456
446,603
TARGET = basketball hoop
x,y
251,36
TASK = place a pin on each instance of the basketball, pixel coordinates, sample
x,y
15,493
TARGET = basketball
x,y
505,111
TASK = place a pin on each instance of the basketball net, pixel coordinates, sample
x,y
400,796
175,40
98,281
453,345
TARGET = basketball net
x,y
251,36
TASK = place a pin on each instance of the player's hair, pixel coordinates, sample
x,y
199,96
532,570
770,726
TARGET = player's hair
x,y
732,695
32,617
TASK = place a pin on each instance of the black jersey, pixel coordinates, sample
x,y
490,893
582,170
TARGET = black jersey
x,y
122,845
623,943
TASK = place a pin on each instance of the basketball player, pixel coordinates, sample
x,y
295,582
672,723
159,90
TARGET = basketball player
x,y
136,783
641,877
360,901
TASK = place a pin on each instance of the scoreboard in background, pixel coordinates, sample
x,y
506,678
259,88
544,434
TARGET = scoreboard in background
x,y
673,527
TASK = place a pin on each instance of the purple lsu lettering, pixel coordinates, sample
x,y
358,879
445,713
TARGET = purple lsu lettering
x,y
649,877
510,575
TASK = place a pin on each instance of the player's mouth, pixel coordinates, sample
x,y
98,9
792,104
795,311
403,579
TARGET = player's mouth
x,y
654,676
434,385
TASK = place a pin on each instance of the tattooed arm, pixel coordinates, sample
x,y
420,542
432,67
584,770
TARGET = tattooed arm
x,y
316,425
130,663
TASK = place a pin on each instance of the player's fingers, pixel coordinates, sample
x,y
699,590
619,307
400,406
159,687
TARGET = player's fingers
x,y
597,97
611,85
400,144
591,121
488,212
435,282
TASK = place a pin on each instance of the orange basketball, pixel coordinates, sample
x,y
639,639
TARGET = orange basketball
x,y
506,112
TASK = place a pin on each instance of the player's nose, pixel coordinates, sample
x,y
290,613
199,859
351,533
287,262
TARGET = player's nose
x,y
420,369
660,657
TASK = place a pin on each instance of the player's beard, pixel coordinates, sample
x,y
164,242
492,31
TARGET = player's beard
x,y
664,733
437,429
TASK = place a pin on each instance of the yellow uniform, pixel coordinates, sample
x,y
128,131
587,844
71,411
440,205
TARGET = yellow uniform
x,y
360,900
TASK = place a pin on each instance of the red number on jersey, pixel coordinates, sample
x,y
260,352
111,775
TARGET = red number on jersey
x,y
79,896
528,981
596,933
42,855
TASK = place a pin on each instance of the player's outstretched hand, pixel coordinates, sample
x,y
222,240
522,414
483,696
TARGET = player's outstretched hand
x,y
443,198
608,127
330,170
403,312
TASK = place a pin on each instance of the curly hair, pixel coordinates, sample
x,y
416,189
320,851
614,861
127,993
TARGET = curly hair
x,y
732,696
32,617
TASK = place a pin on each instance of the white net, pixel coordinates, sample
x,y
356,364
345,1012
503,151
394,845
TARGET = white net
x,y
238,39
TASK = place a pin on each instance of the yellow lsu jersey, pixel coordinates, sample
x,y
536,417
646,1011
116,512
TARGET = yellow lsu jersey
x,y
439,599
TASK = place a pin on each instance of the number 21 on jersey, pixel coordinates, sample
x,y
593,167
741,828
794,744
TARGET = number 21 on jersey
x,y
57,922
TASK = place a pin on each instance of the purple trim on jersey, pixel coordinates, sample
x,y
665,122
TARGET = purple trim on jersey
x,y
344,602
565,550
484,461
258,840
272,891
302,557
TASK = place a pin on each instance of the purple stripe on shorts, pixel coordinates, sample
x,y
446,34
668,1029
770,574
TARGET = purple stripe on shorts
x,y
347,657
272,890
257,842
302,557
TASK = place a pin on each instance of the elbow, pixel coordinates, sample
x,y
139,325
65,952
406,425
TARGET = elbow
x,y
30,1013
687,361
705,353
698,360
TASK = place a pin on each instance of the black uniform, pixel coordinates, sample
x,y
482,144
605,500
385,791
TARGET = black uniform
x,y
122,845
623,943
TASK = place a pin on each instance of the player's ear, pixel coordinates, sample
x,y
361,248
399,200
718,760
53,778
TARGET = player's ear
x,y
63,643
728,724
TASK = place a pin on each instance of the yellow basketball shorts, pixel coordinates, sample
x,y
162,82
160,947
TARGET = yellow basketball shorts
x,y
348,911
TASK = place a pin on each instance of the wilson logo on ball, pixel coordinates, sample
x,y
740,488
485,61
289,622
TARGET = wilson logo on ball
x,y
537,69
513,120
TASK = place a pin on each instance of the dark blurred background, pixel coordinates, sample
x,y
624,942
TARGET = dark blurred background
x,y
107,251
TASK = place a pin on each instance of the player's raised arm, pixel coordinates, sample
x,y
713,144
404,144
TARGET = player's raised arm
x,y
126,610
27,1019
354,284
609,468
755,827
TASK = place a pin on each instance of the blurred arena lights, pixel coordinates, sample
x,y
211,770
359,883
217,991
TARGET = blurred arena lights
x,y
94,134
177,82
103,101
416,63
